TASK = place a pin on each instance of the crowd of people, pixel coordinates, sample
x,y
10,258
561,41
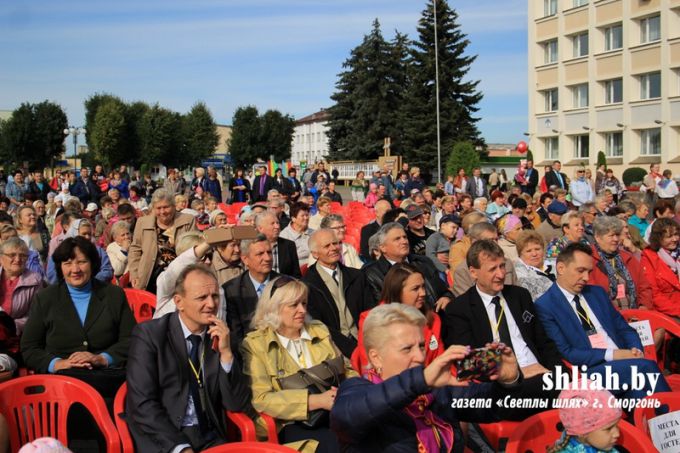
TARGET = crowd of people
x,y
267,278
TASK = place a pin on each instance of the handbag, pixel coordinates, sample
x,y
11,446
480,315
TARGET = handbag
x,y
316,380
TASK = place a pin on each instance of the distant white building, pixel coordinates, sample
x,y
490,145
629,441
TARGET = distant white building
x,y
310,142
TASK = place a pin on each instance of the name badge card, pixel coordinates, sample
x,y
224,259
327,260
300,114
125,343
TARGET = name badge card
x,y
597,341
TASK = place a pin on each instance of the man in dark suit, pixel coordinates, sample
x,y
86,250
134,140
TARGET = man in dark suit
x,y
556,178
394,248
588,330
284,252
86,189
493,311
476,185
261,186
243,292
368,230
531,179
178,384
337,295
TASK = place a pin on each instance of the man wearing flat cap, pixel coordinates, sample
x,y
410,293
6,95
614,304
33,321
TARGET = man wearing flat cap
x,y
551,227
416,231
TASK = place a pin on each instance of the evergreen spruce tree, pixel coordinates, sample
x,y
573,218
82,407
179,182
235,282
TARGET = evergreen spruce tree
x,y
458,97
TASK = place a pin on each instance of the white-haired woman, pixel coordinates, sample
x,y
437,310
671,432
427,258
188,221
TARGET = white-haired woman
x,y
402,404
118,249
284,342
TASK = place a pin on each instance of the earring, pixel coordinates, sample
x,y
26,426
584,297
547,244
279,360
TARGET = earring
x,y
379,370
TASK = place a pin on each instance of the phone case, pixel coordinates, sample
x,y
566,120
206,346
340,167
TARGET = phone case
x,y
480,364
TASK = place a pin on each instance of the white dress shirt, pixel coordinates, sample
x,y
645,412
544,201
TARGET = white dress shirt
x,y
297,347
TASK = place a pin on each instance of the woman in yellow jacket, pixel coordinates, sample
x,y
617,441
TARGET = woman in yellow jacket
x,y
285,341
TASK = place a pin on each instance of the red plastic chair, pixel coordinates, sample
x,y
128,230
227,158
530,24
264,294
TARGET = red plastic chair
x,y
37,406
540,431
669,402
142,303
118,411
303,269
249,447
495,432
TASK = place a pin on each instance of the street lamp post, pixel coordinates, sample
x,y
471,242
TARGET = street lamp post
x,y
436,84
75,132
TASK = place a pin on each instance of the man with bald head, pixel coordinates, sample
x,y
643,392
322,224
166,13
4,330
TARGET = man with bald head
x,y
337,295
284,253
381,207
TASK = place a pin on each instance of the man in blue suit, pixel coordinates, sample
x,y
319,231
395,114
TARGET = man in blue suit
x,y
588,330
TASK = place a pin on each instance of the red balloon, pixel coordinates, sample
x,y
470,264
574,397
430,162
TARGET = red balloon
x,y
522,147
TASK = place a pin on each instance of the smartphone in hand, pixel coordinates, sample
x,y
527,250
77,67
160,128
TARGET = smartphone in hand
x,y
480,364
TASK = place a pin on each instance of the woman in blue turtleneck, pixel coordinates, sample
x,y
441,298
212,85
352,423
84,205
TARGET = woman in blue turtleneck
x,y
79,323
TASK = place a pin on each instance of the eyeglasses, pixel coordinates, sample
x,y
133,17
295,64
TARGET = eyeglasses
x,y
21,256
280,283
339,227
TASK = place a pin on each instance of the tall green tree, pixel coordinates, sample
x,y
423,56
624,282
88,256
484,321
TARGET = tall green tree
x,y
133,118
108,139
463,155
92,104
245,143
34,134
459,97
277,134
160,131
369,98
199,135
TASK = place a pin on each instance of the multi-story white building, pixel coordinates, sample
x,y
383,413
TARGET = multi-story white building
x,y
604,75
310,142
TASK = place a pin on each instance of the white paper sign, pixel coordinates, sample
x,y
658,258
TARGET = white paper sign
x,y
665,432
644,330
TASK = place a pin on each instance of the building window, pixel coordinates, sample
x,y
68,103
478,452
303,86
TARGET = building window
x,y
551,100
578,3
614,146
580,43
613,37
650,29
549,7
650,85
580,95
650,142
550,51
581,146
613,91
552,150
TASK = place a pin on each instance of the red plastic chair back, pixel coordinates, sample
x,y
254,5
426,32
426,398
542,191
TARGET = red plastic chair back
x,y
657,321
118,410
142,303
37,406
669,402
249,447
540,431
495,432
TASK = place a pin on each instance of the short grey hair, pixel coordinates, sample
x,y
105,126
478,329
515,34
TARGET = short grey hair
x,y
380,318
568,217
478,229
586,207
627,206
262,216
384,231
119,227
604,225
373,244
329,219
478,202
196,267
14,243
162,195
246,243
313,237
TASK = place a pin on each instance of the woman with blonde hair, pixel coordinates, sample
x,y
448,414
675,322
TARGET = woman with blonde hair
x,y
286,342
27,226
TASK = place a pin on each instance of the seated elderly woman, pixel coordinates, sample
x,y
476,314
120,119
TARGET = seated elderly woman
x,y
572,231
18,284
661,266
617,270
118,249
217,217
404,284
80,322
83,228
401,405
286,341
532,273
510,227
33,264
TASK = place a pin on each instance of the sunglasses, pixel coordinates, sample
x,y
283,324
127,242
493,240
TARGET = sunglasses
x,y
280,283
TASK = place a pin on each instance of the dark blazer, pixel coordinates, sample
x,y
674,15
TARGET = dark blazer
x,y
471,188
41,194
288,259
322,307
241,298
268,184
468,324
370,418
86,191
285,187
367,231
563,326
54,330
551,180
158,385
532,182
436,288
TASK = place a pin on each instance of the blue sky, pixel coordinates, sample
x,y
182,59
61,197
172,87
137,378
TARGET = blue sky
x,y
268,53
